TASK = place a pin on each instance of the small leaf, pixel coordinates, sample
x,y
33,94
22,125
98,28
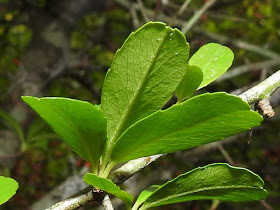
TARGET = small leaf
x,y
144,75
190,83
144,195
215,181
202,119
80,124
8,188
109,187
214,60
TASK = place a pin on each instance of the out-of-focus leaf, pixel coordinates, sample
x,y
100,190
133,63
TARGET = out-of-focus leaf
x,y
8,188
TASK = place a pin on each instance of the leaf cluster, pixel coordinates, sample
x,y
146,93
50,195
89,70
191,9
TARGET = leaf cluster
x,y
152,64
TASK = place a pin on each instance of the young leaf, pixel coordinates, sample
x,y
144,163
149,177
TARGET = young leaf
x,y
8,188
110,187
190,83
214,60
144,74
144,195
215,181
79,123
202,119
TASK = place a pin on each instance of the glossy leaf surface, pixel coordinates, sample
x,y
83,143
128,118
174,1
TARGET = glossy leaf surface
x,y
214,60
80,124
8,188
202,119
144,74
110,187
215,181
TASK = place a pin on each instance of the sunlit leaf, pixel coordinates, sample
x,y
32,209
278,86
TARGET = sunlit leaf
x,y
214,60
144,74
202,119
110,187
8,188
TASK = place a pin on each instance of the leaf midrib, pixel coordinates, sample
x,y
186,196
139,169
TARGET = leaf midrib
x,y
138,91
178,130
204,189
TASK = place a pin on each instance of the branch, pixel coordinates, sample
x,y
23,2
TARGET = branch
x,y
248,67
188,25
263,90
90,194
240,44
183,7
257,93
85,196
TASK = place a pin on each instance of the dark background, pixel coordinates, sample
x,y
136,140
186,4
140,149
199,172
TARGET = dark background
x,y
64,48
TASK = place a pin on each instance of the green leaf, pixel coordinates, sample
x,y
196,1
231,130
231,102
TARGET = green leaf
x,y
144,195
215,181
214,60
190,83
109,187
202,119
12,123
8,188
144,75
80,124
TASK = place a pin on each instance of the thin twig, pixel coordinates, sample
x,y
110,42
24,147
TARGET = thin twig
x,y
248,67
143,11
231,162
240,44
183,7
107,203
188,25
226,154
266,205
135,19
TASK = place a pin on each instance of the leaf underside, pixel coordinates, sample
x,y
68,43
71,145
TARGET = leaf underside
x,y
80,124
202,119
215,181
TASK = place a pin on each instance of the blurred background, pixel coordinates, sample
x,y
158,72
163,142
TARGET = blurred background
x,y
64,48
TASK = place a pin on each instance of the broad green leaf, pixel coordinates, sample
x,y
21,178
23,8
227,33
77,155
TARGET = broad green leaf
x,y
190,83
215,181
214,60
202,119
8,188
144,75
80,124
144,195
109,187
